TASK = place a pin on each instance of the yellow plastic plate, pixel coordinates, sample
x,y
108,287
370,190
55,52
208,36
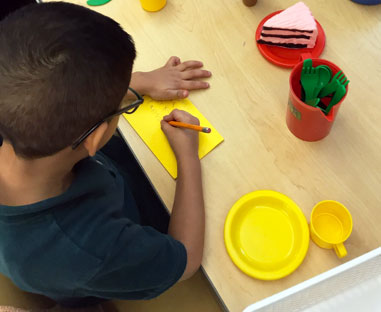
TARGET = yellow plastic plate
x,y
266,235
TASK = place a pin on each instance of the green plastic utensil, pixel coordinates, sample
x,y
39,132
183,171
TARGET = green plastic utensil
x,y
324,77
332,86
307,63
309,79
339,93
326,67
97,2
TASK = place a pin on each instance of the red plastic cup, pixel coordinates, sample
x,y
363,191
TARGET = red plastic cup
x,y
304,121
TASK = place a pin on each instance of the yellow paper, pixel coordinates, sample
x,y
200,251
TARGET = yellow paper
x,y
146,122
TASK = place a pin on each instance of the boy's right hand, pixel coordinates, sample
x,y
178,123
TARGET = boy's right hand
x,y
184,142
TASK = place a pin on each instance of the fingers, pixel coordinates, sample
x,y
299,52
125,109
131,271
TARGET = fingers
x,y
174,94
173,61
189,65
166,127
175,115
195,74
193,85
179,78
180,115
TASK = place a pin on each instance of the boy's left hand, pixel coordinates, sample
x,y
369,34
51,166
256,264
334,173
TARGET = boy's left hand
x,y
172,81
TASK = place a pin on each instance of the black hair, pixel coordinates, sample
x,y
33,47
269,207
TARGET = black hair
x,y
63,68
8,6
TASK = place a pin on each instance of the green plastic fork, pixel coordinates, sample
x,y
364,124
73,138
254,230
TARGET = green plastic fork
x,y
337,87
339,93
309,79
338,79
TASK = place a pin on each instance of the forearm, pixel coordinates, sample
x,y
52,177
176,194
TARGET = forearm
x,y
187,223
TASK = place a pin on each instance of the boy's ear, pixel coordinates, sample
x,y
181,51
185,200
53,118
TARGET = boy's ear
x,y
94,140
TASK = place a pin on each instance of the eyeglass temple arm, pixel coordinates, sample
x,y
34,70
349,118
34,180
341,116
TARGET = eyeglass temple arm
x,y
135,93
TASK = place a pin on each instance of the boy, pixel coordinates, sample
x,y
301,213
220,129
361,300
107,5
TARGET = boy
x,y
69,223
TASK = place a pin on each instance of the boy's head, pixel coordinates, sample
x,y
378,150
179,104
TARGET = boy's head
x,y
62,69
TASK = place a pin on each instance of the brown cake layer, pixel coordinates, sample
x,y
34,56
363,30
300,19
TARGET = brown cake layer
x,y
285,45
285,36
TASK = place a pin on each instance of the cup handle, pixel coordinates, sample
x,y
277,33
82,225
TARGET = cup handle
x,y
305,56
340,250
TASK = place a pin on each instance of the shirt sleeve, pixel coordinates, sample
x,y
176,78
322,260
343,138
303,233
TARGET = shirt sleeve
x,y
141,264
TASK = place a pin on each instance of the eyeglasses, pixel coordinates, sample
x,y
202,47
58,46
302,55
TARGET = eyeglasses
x,y
127,108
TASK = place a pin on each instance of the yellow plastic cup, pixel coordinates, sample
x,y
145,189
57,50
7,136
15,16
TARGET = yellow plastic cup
x,y
330,225
153,5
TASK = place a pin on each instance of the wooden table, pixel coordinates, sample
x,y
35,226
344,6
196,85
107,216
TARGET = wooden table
x,y
247,103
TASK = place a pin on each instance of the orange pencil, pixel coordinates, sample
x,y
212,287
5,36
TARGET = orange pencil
x,y
189,126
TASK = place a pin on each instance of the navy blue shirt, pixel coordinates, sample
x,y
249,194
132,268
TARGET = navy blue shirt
x,y
88,242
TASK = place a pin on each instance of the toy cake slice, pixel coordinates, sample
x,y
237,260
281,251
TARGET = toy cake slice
x,y
293,28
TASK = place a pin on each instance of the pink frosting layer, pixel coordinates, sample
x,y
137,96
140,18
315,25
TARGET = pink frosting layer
x,y
312,36
297,16
310,43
